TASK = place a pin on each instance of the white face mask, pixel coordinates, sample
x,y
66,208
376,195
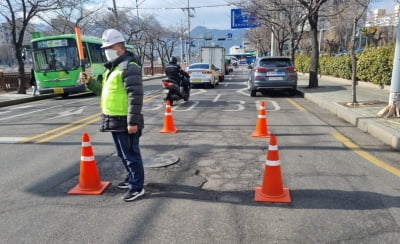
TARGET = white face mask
x,y
111,54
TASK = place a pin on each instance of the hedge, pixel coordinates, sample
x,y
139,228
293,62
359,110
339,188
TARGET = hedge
x,y
374,65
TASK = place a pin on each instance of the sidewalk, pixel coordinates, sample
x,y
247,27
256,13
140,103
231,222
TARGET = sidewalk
x,y
332,94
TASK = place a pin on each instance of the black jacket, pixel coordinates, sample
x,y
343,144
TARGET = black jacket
x,y
132,79
175,72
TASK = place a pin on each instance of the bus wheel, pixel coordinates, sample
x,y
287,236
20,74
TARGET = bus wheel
x,y
65,95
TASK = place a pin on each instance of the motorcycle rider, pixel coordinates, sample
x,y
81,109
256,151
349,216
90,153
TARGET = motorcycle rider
x,y
174,72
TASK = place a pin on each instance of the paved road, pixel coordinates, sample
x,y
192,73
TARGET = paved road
x,y
206,197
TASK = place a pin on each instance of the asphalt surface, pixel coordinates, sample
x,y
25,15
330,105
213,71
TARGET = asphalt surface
x,y
208,195
332,94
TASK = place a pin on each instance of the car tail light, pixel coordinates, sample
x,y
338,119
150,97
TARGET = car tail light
x,y
260,69
166,83
206,72
292,69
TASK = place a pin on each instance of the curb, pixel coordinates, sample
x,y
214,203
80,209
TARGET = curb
x,y
384,134
26,100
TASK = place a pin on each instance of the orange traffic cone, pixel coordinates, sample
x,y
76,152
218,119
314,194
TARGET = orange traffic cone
x,y
262,123
168,120
89,180
272,187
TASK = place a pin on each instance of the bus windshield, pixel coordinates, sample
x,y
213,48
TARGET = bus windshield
x,y
56,59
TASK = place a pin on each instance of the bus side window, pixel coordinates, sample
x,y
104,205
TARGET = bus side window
x,y
85,51
96,53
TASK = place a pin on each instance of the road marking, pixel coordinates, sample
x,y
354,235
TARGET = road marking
x,y
298,106
242,91
198,91
195,103
273,103
62,130
366,155
8,140
36,111
239,105
216,98
68,113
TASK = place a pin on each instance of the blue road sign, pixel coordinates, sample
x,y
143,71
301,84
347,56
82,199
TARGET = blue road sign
x,y
243,19
229,35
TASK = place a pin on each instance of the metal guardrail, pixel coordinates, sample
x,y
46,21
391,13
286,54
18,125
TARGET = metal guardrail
x,y
10,81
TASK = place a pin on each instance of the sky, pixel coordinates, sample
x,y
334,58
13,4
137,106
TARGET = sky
x,y
213,14
384,4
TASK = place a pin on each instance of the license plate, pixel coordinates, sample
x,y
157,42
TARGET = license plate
x,y
275,73
275,78
196,80
58,90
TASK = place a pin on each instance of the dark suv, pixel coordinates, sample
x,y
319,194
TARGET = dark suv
x,y
272,73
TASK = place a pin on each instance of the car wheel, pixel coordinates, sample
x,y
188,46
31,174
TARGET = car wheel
x,y
292,92
253,93
211,85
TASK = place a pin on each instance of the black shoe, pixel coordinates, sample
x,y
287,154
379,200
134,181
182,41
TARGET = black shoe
x,y
132,195
124,184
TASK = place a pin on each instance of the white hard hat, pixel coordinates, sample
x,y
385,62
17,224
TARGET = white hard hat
x,y
111,37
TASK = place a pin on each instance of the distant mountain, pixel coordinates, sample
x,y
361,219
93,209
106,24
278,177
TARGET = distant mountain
x,y
209,37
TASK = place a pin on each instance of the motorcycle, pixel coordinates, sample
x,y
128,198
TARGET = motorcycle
x,y
172,91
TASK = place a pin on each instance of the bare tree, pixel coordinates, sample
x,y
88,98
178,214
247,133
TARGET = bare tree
x,y
18,14
358,9
166,41
72,13
312,8
257,37
286,18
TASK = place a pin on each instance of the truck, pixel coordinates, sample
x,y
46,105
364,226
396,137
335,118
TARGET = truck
x,y
214,55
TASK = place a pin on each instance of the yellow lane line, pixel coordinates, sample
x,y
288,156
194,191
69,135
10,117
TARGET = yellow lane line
x,y
70,127
58,128
298,106
67,130
366,155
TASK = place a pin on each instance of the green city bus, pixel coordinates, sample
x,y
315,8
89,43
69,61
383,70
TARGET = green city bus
x,y
56,63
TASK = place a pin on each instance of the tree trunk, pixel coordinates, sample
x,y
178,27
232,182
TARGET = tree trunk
x,y
21,72
354,64
313,80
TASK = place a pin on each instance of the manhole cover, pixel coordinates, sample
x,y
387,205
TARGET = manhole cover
x,y
159,160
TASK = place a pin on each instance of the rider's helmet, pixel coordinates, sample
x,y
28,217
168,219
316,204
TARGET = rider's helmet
x,y
173,60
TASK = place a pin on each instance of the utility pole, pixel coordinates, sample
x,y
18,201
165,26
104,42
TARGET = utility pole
x,y
190,45
115,12
392,109
189,15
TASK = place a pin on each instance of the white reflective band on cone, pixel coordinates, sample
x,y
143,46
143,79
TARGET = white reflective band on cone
x,y
273,147
86,144
167,114
262,107
262,116
89,158
272,163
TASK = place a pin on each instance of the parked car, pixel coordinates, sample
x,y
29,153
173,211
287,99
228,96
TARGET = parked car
x,y
203,74
272,73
